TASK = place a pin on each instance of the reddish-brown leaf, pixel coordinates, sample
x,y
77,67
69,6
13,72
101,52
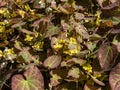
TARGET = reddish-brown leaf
x,y
52,61
32,80
114,78
107,55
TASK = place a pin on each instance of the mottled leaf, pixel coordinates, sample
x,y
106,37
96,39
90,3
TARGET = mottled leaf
x,y
73,61
80,29
107,23
91,46
79,16
55,79
5,75
95,37
90,87
52,61
100,2
66,9
114,77
36,23
57,76
32,79
107,55
17,45
114,3
3,3
115,31
25,55
111,6
3,44
97,81
51,31
18,24
118,46
14,21
74,72
27,32
115,20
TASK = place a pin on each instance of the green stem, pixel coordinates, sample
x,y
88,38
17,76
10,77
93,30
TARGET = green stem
x,y
77,87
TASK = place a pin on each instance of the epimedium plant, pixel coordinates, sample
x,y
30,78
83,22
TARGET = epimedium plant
x,y
59,44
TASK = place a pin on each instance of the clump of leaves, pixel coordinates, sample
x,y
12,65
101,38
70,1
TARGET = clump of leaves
x,y
59,44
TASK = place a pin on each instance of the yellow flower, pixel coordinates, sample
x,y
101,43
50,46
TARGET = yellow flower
x,y
2,23
2,28
61,41
18,1
32,12
87,67
38,46
73,40
97,75
57,46
1,11
98,18
28,38
1,53
5,12
27,7
14,14
72,51
73,46
21,13
8,53
58,43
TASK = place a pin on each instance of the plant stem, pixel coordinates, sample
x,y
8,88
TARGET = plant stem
x,y
77,87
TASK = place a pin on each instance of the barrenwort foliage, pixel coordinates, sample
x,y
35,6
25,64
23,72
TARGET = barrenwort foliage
x,y
59,44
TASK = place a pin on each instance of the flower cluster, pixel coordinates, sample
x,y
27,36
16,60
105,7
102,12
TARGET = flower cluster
x,y
57,36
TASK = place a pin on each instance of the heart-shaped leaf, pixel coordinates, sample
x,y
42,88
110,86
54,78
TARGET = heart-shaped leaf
x,y
107,55
114,78
32,79
52,61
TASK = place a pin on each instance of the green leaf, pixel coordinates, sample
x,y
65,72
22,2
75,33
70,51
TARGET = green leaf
x,y
32,79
